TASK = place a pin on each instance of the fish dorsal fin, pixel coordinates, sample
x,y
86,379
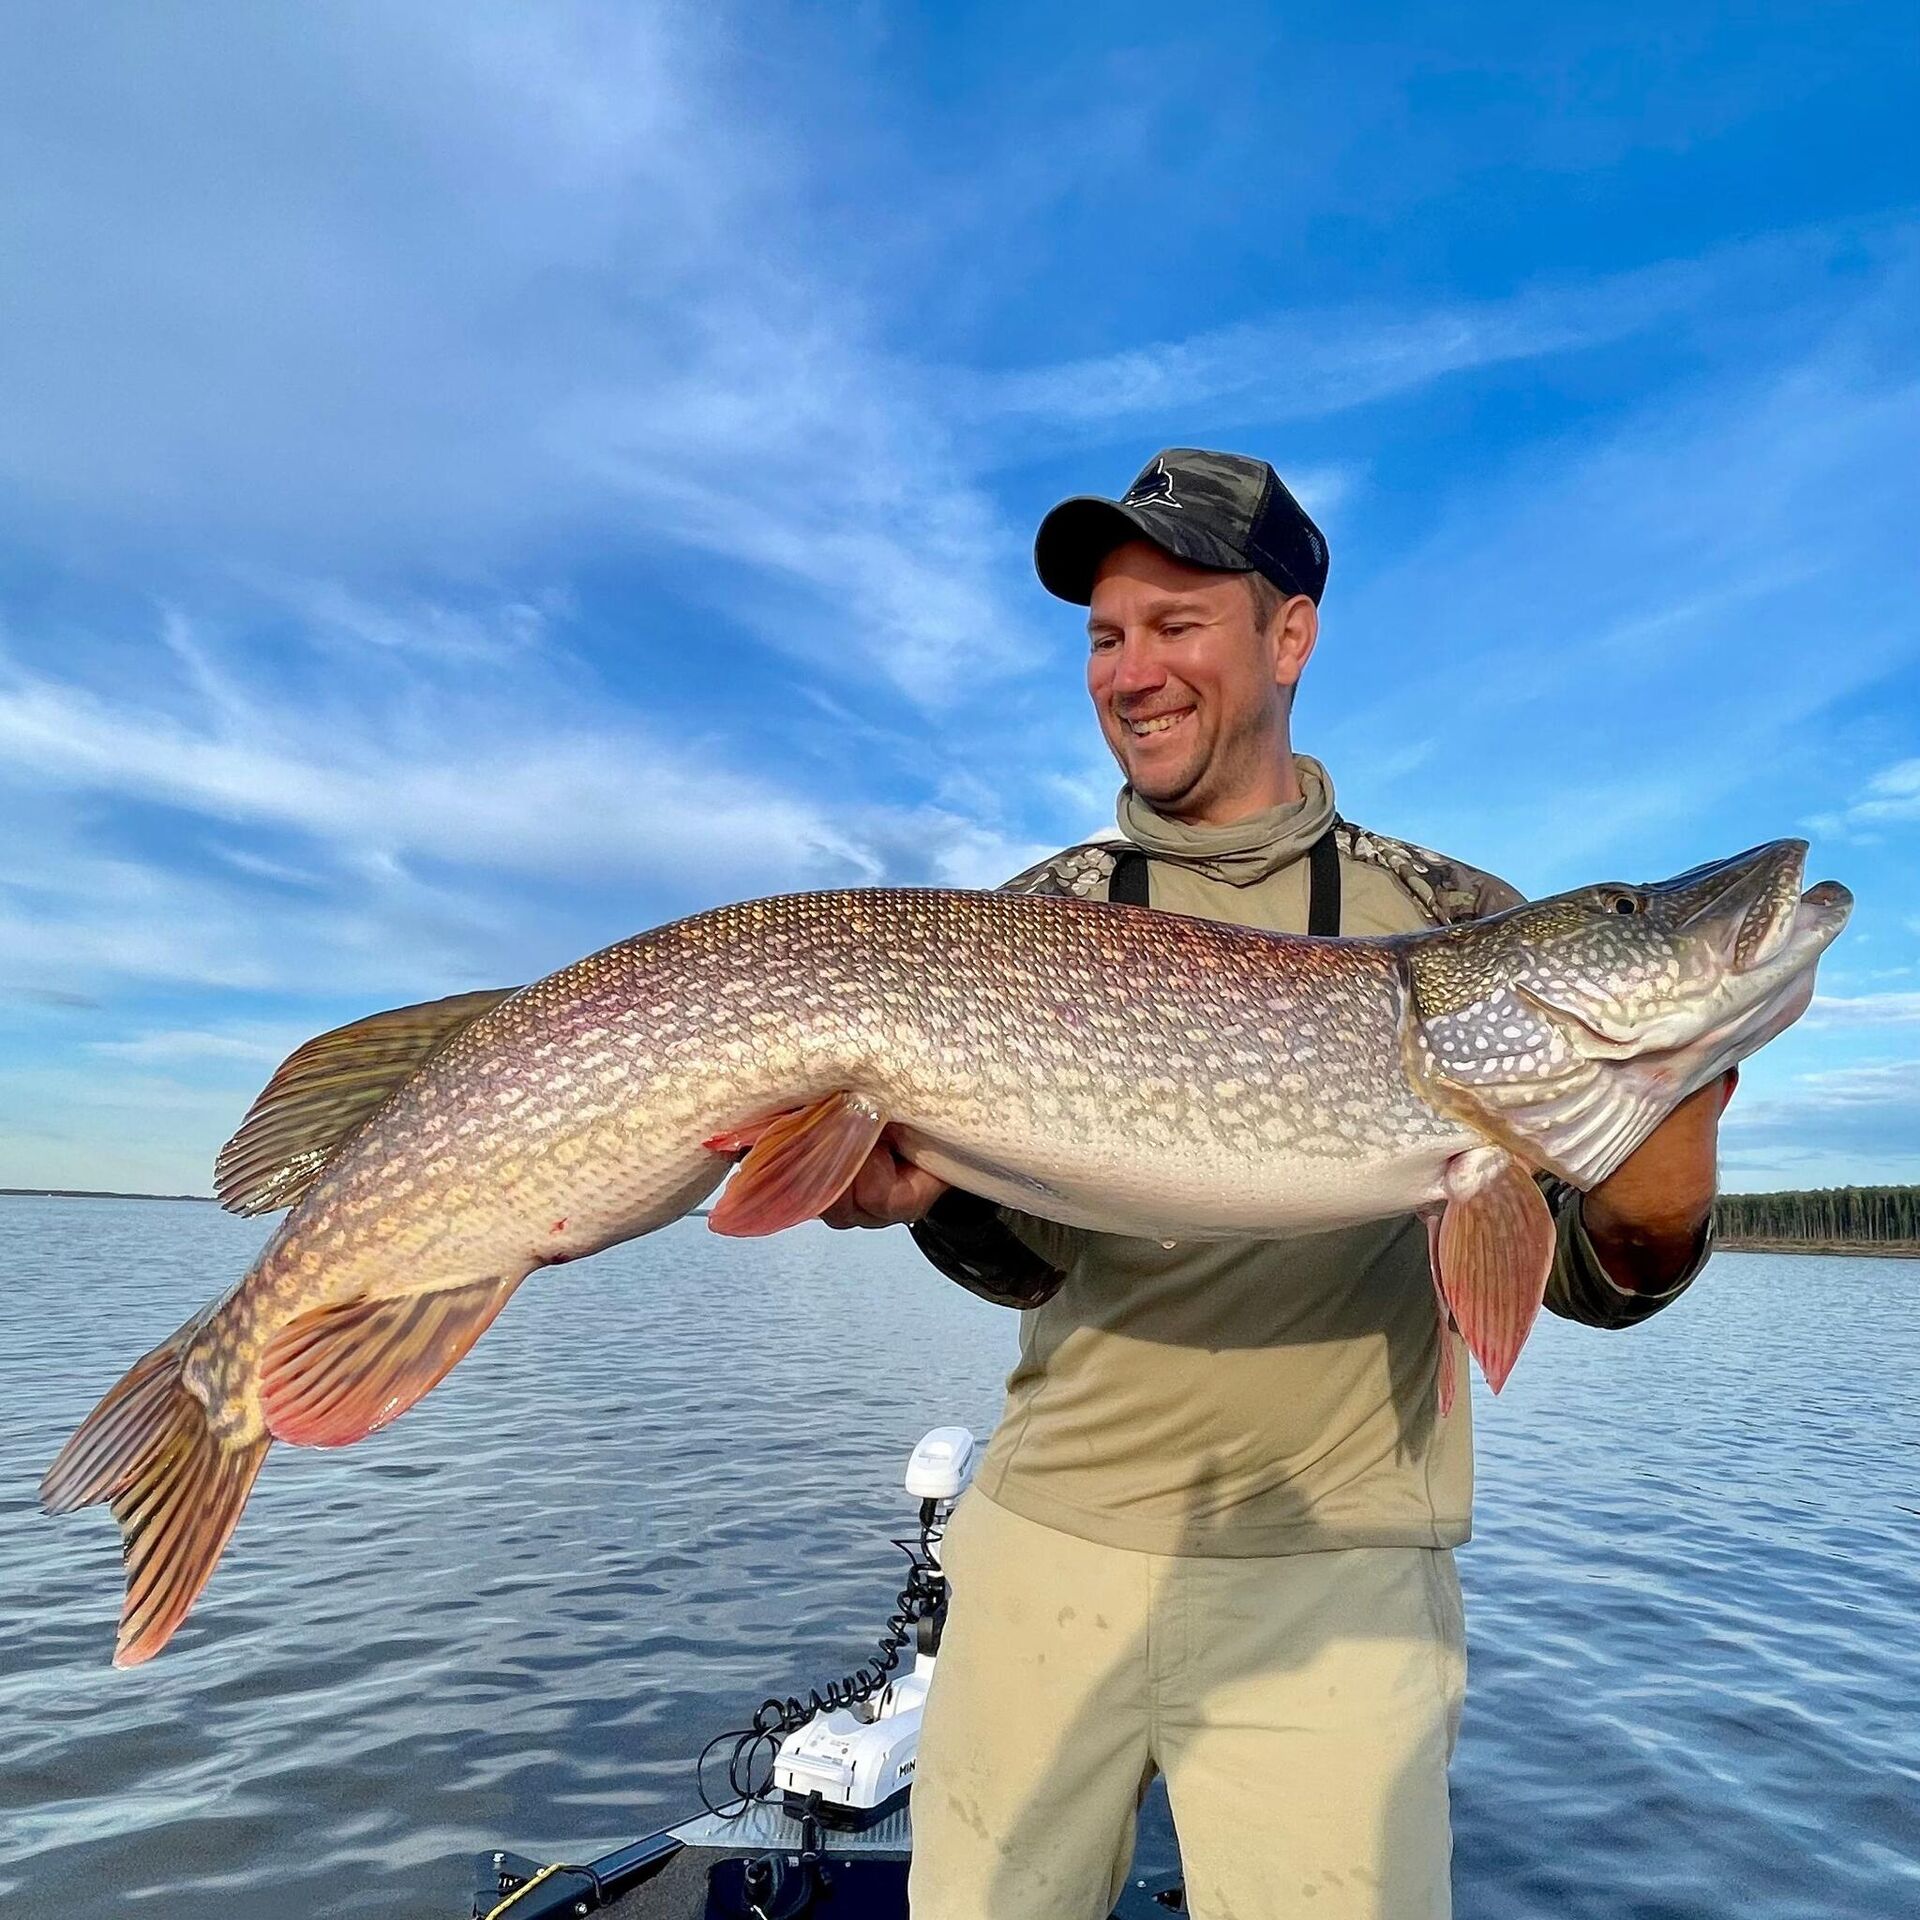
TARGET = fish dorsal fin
x,y
323,1090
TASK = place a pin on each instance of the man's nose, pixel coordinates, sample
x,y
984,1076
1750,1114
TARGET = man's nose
x,y
1136,671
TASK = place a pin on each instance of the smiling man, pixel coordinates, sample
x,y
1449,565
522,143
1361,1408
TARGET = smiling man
x,y
1212,1537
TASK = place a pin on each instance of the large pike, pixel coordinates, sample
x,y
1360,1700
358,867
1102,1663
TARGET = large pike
x,y
1104,1066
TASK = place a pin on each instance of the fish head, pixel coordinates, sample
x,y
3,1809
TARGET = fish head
x,y
1570,1027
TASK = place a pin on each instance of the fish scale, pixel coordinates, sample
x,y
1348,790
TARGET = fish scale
x,y
1107,1067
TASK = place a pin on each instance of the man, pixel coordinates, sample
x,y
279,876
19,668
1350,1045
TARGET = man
x,y
1212,1536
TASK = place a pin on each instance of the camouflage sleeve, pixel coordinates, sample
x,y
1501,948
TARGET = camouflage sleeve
x,y
1010,1258
1447,891
1580,1288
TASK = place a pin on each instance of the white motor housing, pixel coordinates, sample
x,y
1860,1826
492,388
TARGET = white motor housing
x,y
860,1759
857,1760
941,1465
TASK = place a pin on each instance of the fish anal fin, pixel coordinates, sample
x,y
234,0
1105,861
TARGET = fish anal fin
x,y
174,1487
323,1090
1492,1255
799,1165
341,1372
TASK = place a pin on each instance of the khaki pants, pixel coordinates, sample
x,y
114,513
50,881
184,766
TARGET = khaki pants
x,y
1302,1707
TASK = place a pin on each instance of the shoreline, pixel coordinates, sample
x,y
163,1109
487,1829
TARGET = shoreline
x,y
1874,1249
95,1193
1869,1249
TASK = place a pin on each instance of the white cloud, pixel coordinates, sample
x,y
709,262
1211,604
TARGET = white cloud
x,y
1307,363
1843,1125
1864,1010
1890,798
1616,638
1873,1083
437,773
72,919
524,285
184,1045
1293,366
378,356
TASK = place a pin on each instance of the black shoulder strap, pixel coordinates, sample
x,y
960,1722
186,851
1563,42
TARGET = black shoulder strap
x,y
1323,886
1127,883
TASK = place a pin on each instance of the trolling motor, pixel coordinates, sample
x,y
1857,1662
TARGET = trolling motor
x,y
842,1761
851,1762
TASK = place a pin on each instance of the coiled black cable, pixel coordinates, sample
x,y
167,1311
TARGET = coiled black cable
x,y
752,1748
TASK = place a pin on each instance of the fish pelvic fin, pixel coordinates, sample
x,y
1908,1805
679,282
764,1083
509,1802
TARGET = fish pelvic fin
x,y
341,1372
797,1166
1492,1254
173,1485
323,1090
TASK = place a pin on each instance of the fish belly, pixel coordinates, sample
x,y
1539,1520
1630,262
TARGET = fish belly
x,y
1198,1196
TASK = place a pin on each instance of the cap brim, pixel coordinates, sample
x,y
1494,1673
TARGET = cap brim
x,y
1079,533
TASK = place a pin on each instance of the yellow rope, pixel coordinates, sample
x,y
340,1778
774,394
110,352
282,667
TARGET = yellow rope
x,y
527,1886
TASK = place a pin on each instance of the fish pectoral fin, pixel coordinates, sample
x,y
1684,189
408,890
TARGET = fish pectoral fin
x,y
1492,1254
175,1488
323,1090
335,1375
800,1163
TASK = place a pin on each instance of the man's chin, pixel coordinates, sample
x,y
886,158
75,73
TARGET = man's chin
x,y
1161,786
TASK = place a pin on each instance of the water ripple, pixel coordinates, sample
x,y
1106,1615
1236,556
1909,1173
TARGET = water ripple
x,y
661,1489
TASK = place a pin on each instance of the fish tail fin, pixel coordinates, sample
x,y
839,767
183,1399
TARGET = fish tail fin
x,y
174,1487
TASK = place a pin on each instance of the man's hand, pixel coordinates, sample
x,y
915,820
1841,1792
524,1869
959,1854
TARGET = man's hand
x,y
887,1192
1646,1218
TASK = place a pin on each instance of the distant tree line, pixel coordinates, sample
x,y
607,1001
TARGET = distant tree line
x,y
1878,1216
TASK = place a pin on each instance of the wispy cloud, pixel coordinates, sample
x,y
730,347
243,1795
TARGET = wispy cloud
x,y
1306,363
1873,1083
190,1044
1865,1010
559,294
1852,1124
1890,798
1610,627
436,774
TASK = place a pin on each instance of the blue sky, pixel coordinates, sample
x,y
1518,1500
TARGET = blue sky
x,y
478,481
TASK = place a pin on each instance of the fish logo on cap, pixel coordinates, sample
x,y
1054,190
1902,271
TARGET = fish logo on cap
x,y
1154,488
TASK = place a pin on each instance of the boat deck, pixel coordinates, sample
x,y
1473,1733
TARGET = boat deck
x,y
702,1875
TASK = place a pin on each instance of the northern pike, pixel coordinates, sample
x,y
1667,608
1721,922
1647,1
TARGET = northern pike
x,y
1105,1066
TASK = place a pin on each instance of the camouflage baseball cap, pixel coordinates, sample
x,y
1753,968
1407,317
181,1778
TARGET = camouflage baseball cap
x,y
1211,509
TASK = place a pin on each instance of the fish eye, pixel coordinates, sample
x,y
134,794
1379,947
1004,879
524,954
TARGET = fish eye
x,y
1622,902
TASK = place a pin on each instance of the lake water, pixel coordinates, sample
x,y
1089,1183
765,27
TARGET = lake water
x,y
661,1488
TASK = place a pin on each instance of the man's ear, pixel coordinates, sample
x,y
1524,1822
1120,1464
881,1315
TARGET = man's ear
x,y
1291,637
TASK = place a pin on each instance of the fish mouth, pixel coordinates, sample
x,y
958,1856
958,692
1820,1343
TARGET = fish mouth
x,y
1760,926
1753,909
1793,939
